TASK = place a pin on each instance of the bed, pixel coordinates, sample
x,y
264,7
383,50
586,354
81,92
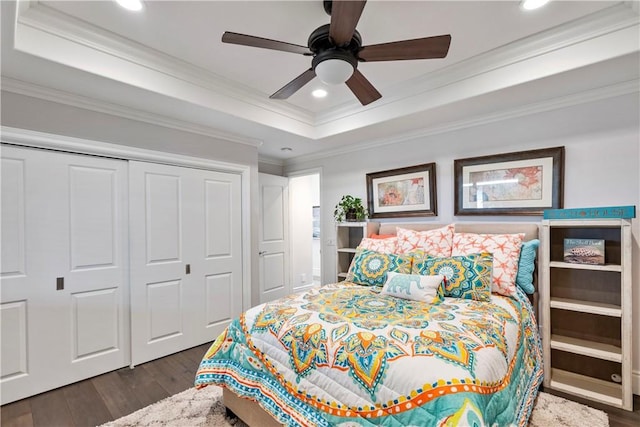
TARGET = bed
x,y
359,354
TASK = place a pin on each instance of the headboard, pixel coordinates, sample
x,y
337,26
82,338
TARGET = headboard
x,y
530,230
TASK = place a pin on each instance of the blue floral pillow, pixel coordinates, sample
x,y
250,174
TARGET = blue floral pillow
x,y
370,268
466,276
527,265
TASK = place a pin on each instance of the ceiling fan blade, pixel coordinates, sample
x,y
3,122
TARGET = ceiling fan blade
x,y
253,41
424,48
362,88
294,85
345,15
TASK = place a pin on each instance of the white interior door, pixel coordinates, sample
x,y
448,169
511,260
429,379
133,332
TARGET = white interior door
x,y
186,257
63,269
273,246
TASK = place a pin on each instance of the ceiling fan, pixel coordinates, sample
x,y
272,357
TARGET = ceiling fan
x,y
337,48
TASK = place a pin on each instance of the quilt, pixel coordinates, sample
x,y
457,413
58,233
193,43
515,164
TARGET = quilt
x,y
345,355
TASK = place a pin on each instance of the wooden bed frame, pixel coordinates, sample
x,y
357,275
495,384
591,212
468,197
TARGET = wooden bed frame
x,y
250,411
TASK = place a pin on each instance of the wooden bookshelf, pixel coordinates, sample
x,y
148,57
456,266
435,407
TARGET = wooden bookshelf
x,y
586,312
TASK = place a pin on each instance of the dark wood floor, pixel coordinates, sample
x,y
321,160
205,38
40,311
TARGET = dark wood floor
x,y
104,398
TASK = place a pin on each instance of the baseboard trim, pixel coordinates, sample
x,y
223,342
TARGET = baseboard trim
x,y
635,382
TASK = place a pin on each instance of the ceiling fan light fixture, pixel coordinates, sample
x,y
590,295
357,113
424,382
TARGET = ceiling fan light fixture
x,y
319,93
532,4
133,5
334,71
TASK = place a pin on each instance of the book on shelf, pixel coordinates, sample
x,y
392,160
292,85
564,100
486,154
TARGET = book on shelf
x,y
584,251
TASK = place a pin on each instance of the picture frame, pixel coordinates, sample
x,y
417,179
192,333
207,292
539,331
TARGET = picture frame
x,y
403,192
519,183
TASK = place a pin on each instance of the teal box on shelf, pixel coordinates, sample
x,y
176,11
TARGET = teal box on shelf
x,y
607,212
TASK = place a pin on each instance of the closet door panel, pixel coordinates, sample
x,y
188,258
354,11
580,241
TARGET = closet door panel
x,y
186,257
159,293
96,205
32,256
70,224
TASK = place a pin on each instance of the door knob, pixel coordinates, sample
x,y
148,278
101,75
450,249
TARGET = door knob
x,y
262,253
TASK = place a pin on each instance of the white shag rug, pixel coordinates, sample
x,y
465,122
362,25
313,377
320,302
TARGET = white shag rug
x,y
193,408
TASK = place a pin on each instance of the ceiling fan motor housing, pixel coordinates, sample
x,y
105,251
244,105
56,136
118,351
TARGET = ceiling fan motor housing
x,y
323,48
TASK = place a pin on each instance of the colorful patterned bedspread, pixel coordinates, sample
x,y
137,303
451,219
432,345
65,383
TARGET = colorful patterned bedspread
x,y
345,355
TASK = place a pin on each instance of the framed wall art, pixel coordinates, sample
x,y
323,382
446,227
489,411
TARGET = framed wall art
x,y
403,192
522,183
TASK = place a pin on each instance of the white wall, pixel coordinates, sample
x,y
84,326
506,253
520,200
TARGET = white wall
x,y
602,143
45,116
303,195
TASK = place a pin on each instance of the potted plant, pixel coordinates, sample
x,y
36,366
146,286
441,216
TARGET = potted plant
x,y
350,208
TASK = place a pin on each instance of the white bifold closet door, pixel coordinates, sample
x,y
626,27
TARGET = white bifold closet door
x,y
186,257
63,269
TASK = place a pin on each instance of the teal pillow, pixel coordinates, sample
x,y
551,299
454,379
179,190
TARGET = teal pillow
x,y
370,268
466,276
526,265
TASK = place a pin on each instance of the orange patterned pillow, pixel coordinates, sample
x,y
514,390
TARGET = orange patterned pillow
x,y
384,246
382,236
435,242
506,253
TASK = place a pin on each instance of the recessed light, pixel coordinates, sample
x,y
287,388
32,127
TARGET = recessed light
x,y
286,149
134,5
533,4
319,93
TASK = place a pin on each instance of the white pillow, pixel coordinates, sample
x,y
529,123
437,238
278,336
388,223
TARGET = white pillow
x,y
414,287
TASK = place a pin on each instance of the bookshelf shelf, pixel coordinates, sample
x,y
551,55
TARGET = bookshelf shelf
x,y
589,388
602,309
606,267
586,310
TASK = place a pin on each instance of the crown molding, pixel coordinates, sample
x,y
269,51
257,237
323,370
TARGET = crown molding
x,y
271,161
38,16
612,19
78,101
37,139
610,91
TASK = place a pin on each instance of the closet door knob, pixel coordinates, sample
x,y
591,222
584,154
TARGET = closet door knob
x,y
187,269
59,283
262,253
